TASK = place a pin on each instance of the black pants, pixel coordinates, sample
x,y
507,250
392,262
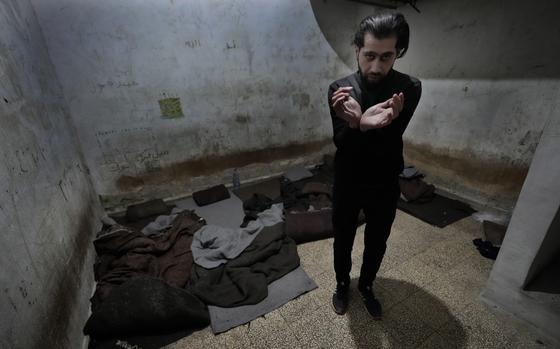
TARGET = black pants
x,y
379,204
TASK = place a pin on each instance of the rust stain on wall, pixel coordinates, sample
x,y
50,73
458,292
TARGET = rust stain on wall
x,y
500,179
215,163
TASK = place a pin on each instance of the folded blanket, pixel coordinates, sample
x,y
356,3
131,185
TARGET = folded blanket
x,y
211,195
310,225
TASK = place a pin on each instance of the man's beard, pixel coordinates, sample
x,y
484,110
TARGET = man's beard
x,y
372,80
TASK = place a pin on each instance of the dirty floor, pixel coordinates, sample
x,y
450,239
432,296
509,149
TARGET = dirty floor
x,y
428,284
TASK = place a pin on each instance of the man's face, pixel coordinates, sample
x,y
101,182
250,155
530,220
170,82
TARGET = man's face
x,y
377,57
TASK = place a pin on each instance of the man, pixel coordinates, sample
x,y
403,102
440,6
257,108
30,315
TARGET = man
x,y
370,111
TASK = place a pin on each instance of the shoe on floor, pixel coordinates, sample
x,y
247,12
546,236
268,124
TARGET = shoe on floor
x,y
371,303
340,298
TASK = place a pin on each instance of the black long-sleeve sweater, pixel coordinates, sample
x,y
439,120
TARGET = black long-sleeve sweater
x,y
374,155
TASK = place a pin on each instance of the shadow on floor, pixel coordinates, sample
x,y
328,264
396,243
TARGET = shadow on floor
x,y
406,323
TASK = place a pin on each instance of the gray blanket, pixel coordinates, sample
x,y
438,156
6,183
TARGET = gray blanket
x,y
214,245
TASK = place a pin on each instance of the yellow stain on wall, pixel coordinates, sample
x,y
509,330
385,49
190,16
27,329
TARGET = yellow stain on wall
x,y
170,107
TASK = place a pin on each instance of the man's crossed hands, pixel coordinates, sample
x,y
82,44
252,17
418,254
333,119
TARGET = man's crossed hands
x,y
377,116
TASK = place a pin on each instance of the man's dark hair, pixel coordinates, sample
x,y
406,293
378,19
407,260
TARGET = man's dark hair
x,y
383,26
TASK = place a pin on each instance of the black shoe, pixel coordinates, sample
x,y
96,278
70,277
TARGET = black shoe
x,y
340,298
371,303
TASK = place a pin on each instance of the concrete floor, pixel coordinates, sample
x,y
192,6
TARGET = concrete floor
x,y
428,284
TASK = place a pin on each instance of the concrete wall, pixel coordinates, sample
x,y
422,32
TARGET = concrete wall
x,y
251,78
490,82
549,251
532,240
47,206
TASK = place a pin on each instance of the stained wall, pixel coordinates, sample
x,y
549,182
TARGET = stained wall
x,y
48,208
251,81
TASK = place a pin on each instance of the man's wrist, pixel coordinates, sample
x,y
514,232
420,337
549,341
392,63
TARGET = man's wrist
x,y
355,123
362,127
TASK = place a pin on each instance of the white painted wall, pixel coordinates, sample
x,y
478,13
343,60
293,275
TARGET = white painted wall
x,y
532,240
48,209
475,138
251,75
490,81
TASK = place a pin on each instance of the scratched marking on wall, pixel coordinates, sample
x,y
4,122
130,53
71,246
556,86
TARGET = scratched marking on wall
x,y
29,161
231,44
25,159
150,158
132,162
129,150
113,84
193,43
171,107
122,131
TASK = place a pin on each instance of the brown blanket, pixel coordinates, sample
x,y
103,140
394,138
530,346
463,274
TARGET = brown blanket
x,y
125,253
